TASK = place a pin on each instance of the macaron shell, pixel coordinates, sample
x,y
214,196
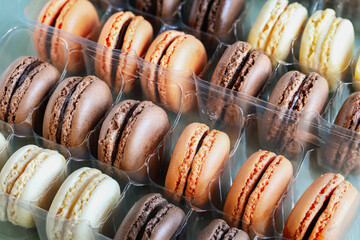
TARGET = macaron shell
x,y
197,13
149,129
309,204
183,155
165,223
32,184
286,30
236,234
266,195
207,162
357,73
214,230
349,113
168,8
72,21
244,183
265,22
336,213
313,36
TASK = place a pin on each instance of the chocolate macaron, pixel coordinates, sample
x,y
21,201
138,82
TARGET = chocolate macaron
x,y
218,229
151,217
215,17
242,69
75,107
23,85
325,205
78,17
175,51
256,190
161,8
122,31
197,157
131,132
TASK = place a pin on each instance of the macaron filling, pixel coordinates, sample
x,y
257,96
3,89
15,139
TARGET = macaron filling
x,y
245,69
153,221
26,72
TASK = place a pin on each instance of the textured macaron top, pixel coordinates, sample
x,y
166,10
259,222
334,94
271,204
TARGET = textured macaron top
x,y
23,85
296,91
218,229
242,69
162,8
197,156
257,188
85,195
122,141
323,205
75,99
151,217
349,113
276,26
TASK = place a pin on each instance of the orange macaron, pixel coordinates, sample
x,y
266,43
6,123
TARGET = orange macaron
x,y
178,52
78,17
256,190
197,157
325,205
122,31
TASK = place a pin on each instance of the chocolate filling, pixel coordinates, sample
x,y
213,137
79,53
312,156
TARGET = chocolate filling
x,y
238,71
313,222
120,132
296,95
118,46
20,81
63,112
205,23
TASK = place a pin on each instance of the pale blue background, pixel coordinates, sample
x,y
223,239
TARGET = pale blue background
x,y
8,15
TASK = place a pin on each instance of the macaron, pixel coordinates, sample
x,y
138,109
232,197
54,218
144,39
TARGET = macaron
x,y
298,92
257,188
74,108
151,217
325,205
26,176
218,229
3,141
78,17
198,156
242,69
131,132
276,27
327,45
216,17
356,78
23,85
177,52
86,196
122,31
161,8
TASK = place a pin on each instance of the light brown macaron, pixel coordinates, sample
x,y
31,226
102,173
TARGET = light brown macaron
x,y
78,17
256,190
196,159
74,108
178,52
131,132
122,31
325,205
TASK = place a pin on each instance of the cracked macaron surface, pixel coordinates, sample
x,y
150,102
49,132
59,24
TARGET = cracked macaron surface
x,y
257,188
218,229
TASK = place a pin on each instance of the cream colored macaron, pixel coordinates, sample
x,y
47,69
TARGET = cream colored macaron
x,y
26,176
327,45
2,141
276,26
356,78
86,197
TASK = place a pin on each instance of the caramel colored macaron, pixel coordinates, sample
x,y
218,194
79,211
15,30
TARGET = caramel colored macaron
x,y
256,190
131,132
178,52
122,31
196,159
78,17
74,108
325,205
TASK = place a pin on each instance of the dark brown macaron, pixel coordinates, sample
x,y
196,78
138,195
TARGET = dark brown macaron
x,y
131,132
23,85
161,8
74,108
216,16
218,229
151,217
242,69
298,92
